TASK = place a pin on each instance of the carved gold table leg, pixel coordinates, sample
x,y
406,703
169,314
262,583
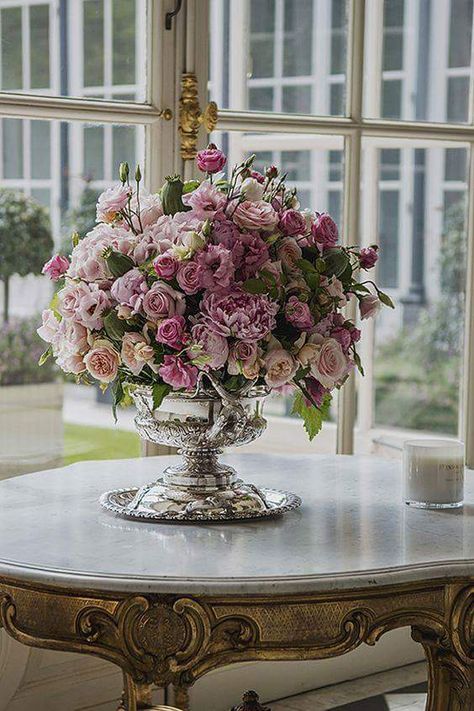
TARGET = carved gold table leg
x,y
181,697
135,696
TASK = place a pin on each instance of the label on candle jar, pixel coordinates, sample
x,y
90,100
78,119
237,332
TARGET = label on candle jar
x,y
434,472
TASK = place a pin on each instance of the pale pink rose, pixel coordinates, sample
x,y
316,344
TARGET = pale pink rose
x,y
162,301
292,222
258,215
206,201
150,209
242,355
252,189
86,303
171,331
76,336
280,367
178,374
289,252
324,231
87,260
56,267
211,160
369,306
111,203
236,313
335,290
102,361
136,352
330,365
298,314
208,350
49,328
129,290
216,265
189,277
166,265
70,361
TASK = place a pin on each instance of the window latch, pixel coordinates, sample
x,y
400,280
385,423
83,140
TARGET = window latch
x,y
192,117
169,15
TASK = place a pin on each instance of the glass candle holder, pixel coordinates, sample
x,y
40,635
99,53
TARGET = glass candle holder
x,y
433,470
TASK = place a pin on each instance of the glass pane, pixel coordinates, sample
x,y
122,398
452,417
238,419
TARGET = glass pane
x,y
419,217
40,160
280,51
94,152
418,60
108,40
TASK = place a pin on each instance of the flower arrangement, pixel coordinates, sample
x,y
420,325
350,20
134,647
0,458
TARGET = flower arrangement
x,y
220,275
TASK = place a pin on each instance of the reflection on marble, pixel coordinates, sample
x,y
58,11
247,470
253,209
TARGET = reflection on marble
x,y
352,530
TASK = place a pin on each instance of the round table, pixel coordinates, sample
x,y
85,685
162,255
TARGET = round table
x,y
168,603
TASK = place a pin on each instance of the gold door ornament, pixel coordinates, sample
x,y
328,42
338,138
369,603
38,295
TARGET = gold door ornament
x,y
191,118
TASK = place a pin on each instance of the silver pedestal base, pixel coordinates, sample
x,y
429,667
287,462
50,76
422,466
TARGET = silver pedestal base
x,y
163,501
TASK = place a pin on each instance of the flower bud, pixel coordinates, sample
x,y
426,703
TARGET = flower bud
x,y
138,174
76,238
271,172
124,172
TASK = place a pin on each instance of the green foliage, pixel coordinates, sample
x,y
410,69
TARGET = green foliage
x,y
81,219
313,417
21,349
160,391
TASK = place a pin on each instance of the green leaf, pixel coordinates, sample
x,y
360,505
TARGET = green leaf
x,y
118,396
336,262
320,265
160,391
312,279
306,266
313,417
360,287
118,263
190,185
114,326
385,299
358,363
53,305
47,354
255,286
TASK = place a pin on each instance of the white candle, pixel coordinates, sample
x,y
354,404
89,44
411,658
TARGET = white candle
x,y
434,473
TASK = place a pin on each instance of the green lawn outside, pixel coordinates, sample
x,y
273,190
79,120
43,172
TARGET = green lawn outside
x,y
82,442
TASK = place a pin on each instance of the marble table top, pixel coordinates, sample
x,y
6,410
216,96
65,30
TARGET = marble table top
x,y
352,531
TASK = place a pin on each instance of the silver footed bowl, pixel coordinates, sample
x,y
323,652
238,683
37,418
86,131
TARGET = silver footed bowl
x,y
200,488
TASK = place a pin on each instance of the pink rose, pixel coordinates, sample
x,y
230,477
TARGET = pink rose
x,y
270,273
206,201
129,290
330,365
87,260
112,202
136,352
49,328
257,176
76,336
237,313
166,265
86,303
209,350
289,252
316,390
70,361
241,357
355,334
324,231
217,267
102,361
211,160
369,306
335,290
280,367
292,222
189,277
162,301
343,336
56,267
150,209
298,314
171,331
258,215
178,374
368,257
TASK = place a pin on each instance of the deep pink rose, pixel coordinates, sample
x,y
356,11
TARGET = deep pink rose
x,y
242,356
369,306
162,301
293,222
257,176
234,312
206,201
56,267
112,201
298,314
171,331
368,257
178,374
211,160
166,265
324,231
209,350
343,336
189,277
355,335
102,361
280,367
257,215
129,290
316,390
217,267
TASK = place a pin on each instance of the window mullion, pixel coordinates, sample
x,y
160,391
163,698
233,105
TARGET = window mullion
x,y
467,394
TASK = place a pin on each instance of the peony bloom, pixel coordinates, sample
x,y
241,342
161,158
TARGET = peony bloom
x,y
206,201
324,231
86,303
298,314
252,189
49,328
56,267
112,202
208,350
368,257
211,160
234,312
162,301
289,252
166,265
136,352
293,222
330,365
189,277
369,306
258,215
280,367
216,265
178,374
129,290
102,361
242,357
171,332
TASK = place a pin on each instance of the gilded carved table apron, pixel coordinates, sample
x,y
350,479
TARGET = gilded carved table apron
x,y
169,603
